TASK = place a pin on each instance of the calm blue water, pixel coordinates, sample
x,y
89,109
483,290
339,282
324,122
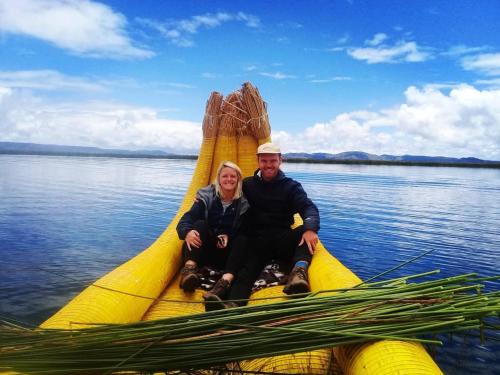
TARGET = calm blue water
x,y
66,221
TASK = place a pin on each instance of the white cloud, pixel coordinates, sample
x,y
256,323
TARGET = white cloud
x,y
463,122
84,28
459,121
47,80
51,80
332,79
487,63
343,39
208,75
180,32
377,39
27,118
180,85
461,50
291,25
336,49
278,75
283,40
491,83
250,68
249,19
402,51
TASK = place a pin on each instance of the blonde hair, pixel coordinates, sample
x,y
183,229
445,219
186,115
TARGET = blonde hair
x,y
229,164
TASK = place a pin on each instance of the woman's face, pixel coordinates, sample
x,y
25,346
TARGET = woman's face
x,y
228,179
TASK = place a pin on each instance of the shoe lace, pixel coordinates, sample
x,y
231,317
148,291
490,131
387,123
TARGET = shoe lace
x,y
220,286
301,273
187,270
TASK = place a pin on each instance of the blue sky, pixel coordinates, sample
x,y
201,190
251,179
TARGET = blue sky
x,y
386,77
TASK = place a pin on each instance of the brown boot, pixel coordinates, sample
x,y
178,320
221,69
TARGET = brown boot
x,y
215,296
297,281
189,278
230,305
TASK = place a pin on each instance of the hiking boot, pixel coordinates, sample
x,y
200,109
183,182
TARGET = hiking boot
x,y
231,305
189,278
297,281
215,295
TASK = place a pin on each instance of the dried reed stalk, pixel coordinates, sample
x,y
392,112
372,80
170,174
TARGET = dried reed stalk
x,y
257,111
231,115
212,115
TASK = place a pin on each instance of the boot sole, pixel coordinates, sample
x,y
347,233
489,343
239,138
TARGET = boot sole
x,y
215,303
297,288
190,284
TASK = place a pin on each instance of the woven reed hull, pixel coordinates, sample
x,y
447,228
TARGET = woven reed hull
x,y
145,275
153,274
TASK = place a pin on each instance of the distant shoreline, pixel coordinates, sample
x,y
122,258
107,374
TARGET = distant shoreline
x,y
492,165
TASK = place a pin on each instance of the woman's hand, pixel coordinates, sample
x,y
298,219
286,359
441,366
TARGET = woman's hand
x,y
222,240
193,239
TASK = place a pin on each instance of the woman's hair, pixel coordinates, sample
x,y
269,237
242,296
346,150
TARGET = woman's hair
x,y
229,164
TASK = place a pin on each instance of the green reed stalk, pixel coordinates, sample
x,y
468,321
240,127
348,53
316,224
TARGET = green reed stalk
x,y
394,309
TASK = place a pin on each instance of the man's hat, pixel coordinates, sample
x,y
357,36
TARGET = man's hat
x,y
268,148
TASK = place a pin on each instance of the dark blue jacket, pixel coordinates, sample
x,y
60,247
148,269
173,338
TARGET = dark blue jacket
x,y
273,204
208,207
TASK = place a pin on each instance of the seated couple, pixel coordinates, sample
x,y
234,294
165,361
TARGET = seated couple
x,y
240,226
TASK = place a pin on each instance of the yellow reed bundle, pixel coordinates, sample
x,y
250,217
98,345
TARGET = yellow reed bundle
x,y
226,147
117,296
257,110
232,115
201,174
212,115
247,148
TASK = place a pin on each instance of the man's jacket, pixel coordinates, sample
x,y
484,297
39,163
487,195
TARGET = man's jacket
x,y
273,204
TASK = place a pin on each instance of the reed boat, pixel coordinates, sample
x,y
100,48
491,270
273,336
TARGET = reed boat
x,y
147,286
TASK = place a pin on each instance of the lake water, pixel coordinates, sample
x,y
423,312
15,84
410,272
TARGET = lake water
x,y
65,221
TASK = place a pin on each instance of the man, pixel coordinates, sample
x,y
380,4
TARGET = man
x,y
274,199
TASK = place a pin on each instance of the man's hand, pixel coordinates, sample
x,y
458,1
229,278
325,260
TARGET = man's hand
x,y
311,239
222,240
193,239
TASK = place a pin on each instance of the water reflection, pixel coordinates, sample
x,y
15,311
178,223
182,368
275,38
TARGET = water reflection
x,y
66,221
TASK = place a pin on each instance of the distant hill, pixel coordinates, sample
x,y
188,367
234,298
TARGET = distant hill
x,y
358,157
363,156
43,149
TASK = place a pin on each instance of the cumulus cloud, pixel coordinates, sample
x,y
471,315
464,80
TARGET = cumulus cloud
x,y
487,63
28,118
82,27
180,32
462,122
459,121
379,52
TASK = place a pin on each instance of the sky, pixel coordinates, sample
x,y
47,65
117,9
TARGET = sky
x,y
385,77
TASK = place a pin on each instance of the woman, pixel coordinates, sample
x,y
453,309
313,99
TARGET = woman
x,y
210,228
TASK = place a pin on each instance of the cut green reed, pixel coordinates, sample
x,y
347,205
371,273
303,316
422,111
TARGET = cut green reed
x,y
399,309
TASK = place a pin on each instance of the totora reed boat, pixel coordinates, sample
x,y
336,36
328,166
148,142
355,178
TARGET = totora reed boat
x,y
147,286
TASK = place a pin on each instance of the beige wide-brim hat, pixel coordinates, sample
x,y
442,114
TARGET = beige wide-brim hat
x,y
268,148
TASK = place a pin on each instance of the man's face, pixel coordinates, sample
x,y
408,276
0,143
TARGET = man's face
x,y
269,165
